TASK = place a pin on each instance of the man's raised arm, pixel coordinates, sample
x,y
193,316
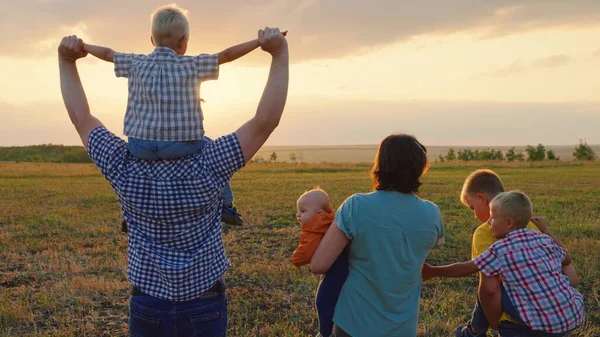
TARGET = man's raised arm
x,y
254,133
69,50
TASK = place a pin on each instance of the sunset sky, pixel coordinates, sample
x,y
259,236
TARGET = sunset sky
x,y
460,72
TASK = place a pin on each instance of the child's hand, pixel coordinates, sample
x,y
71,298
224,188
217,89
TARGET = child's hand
x,y
427,272
272,41
71,48
542,224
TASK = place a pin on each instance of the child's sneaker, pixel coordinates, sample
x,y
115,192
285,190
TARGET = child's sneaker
x,y
230,216
465,331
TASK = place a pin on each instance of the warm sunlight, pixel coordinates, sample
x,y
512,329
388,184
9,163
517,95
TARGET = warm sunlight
x,y
543,64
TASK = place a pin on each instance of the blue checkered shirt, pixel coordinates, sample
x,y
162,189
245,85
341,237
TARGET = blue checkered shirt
x,y
173,213
164,93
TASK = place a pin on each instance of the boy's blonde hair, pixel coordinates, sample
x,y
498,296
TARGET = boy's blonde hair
x,y
515,205
169,25
486,182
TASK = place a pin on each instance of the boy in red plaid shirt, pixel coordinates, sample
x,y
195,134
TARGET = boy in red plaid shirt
x,y
534,289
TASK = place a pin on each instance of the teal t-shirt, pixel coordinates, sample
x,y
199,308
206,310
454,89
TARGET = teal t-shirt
x,y
391,233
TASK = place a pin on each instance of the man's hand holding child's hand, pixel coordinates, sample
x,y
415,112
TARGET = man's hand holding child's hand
x,y
71,49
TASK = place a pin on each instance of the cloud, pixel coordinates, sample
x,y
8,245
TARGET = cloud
x,y
318,28
551,61
514,68
518,66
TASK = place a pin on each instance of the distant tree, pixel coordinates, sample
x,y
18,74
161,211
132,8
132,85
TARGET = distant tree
x,y
273,157
511,154
537,153
520,156
550,155
293,157
583,151
258,160
451,155
466,155
497,155
441,158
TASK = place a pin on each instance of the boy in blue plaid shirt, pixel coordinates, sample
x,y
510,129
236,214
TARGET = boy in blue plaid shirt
x,y
164,118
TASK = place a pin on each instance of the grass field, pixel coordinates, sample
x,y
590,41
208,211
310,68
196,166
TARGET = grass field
x,y
63,258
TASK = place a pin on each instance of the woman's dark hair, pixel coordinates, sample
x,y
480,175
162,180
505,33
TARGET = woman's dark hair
x,y
400,161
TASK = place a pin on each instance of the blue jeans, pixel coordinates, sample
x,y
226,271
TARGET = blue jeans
x,y
329,291
510,329
153,317
507,329
159,150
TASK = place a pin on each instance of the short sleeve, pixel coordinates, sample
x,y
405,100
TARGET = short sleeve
x,y
440,226
224,156
107,151
488,262
123,63
346,216
559,252
207,66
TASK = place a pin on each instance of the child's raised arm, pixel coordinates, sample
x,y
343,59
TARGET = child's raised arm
x,y
237,51
459,269
100,52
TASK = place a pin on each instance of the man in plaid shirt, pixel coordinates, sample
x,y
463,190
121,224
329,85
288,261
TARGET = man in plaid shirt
x,y
176,258
535,291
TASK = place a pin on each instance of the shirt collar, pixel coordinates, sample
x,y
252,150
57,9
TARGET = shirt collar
x,y
515,232
164,50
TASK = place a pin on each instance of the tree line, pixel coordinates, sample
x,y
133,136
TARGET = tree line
x,y
531,153
46,153
50,153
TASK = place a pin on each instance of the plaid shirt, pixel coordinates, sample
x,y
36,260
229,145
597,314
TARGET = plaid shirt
x,y
164,93
173,213
530,264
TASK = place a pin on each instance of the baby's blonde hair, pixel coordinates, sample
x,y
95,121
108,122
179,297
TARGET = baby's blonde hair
x,y
320,196
169,25
514,204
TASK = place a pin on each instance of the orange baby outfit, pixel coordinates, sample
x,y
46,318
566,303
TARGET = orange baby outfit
x,y
311,235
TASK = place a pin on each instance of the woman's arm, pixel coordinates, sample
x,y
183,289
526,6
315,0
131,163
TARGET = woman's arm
x,y
329,249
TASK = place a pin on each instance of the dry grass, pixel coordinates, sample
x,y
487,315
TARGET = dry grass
x,y
63,259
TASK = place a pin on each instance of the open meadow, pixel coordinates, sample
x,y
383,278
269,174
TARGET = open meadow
x,y
63,257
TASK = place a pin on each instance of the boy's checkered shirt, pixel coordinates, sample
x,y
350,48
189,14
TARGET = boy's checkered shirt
x,y
530,264
173,213
164,93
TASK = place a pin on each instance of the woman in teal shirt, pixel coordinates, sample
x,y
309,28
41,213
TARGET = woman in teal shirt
x,y
389,231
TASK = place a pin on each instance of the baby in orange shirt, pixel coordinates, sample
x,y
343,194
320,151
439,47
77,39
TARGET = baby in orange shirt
x,y
315,216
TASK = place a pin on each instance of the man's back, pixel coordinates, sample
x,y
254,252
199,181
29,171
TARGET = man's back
x,y
172,208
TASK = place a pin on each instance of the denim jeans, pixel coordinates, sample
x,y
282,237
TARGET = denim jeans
x,y
153,317
159,150
478,320
329,291
507,329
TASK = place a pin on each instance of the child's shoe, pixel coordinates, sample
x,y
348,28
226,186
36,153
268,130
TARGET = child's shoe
x,y
465,331
230,215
